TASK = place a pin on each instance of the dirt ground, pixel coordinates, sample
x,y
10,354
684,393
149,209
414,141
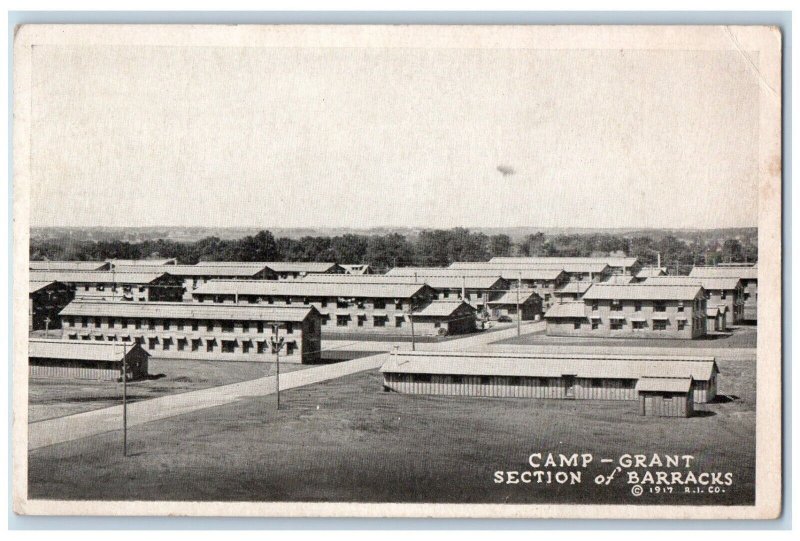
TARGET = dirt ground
x,y
346,440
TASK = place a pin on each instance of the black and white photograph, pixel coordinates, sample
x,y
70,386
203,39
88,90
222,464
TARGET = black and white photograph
x,y
397,271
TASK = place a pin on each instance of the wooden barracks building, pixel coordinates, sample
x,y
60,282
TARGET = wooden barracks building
x,y
631,311
618,265
554,376
188,330
116,285
350,306
727,292
193,276
70,359
749,277
45,301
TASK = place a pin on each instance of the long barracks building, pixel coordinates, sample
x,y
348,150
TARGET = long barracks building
x,y
618,265
727,292
555,376
348,306
187,330
193,276
748,276
116,285
632,311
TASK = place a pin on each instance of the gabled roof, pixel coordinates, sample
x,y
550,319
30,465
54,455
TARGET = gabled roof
x,y
550,365
96,277
526,273
436,282
619,279
302,288
705,283
441,309
510,297
356,269
68,265
595,267
149,262
665,385
566,310
79,349
745,273
188,310
243,271
300,266
642,292
612,261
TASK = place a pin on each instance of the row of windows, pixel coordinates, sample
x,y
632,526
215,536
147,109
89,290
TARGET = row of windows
x,y
377,304
618,324
102,287
658,306
511,380
174,324
195,344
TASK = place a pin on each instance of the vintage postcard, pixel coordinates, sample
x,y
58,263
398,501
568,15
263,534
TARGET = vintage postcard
x,y
397,271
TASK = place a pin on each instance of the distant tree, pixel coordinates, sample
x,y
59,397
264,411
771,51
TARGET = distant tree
x,y
387,251
500,246
732,250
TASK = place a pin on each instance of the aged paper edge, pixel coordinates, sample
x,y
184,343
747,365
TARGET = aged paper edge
x,y
766,67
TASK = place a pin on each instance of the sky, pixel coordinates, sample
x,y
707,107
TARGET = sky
x,y
369,137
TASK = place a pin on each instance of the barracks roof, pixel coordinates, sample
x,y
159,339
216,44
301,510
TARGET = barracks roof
x,y
188,310
204,270
34,285
642,291
510,297
576,288
303,288
613,261
745,273
97,277
527,273
78,349
705,283
667,385
569,267
566,310
441,309
68,265
550,365
436,282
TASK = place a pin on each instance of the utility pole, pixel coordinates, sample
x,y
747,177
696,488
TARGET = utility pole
x,y
411,320
46,326
277,345
124,399
519,312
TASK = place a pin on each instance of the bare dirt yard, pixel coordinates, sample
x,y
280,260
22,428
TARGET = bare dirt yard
x,y
346,440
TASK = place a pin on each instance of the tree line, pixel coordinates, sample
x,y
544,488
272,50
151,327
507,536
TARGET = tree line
x,y
437,247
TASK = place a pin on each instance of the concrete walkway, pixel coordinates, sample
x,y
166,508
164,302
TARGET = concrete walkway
x,y
90,423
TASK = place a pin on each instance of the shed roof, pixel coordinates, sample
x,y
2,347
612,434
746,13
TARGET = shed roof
x,y
647,272
68,265
188,310
510,297
441,309
34,285
204,270
575,288
712,283
566,310
78,349
667,385
744,273
642,291
96,277
302,288
550,365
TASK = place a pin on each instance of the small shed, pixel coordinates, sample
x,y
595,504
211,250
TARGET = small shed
x,y
665,397
71,359
445,318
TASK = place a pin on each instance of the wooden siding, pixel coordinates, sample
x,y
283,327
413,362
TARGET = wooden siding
x,y
658,404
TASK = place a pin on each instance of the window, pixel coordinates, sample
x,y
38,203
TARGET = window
x,y
270,300
101,287
86,288
681,324
680,306
97,322
288,300
379,321
326,318
341,321
423,378
637,306
245,326
486,380
456,379
73,336
124,323
398,305
196,343
227,326
209,325
195,325
323,302
167,344
228,346
379,304
595,325
85,322
660,306
152,343
637,325
437,324
446,295
290,347
595,306
341,303
210,344
260,327
723,294
547,296
660,325
576,325
616,306
261,347
360,320
398,321
305,300
167,324
289,328
616,324
182,344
